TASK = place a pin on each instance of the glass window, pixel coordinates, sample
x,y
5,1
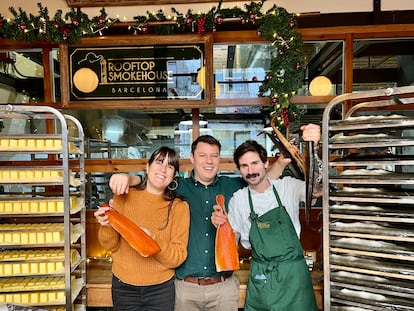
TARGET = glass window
x,y
383,63
21,76
240,69
323,58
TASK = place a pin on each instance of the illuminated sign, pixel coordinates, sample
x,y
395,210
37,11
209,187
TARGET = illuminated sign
x,y
137,71
124,73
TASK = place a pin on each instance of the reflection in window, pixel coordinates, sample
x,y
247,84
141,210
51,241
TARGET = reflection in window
x,y
21,76
383,63
240,69
323,58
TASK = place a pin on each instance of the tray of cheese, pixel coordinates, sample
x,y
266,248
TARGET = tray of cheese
x,y
37,144
38,205
38,175
39,234
32,262
36,291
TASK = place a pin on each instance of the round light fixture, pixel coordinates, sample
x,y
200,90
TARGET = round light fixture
x,y
201,77
85,80
217,89
320,86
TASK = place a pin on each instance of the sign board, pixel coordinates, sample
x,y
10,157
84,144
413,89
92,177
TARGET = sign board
x,y
106,73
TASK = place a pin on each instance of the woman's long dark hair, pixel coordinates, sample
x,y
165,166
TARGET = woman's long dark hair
x,y
169,194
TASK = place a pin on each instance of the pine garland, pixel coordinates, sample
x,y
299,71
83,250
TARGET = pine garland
x,y
67,28
276,25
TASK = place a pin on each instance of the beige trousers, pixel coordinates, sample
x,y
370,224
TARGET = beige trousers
x,y
222,296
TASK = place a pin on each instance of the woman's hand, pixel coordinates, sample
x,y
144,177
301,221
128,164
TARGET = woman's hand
x,y
101,216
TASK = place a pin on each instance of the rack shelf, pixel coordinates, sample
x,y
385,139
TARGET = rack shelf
x,y
368,237
42,206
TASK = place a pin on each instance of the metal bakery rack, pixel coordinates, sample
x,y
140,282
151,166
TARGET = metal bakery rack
x,y
42,209
368,201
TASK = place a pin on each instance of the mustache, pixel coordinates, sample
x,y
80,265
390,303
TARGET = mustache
x,y
252,175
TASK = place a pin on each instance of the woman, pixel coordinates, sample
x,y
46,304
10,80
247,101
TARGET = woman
x,y
146,283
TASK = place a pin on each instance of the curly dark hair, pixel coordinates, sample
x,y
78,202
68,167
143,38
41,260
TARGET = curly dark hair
x,y
249,145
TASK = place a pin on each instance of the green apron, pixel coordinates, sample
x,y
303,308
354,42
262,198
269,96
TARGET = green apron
x,y
279,277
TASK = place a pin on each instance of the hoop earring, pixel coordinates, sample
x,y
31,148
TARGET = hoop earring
x,y
173,185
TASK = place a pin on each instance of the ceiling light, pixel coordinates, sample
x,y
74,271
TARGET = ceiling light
x,y
188,120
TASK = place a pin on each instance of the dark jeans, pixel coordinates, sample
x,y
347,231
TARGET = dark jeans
x,y
159,297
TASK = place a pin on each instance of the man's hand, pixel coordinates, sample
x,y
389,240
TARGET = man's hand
x,y
218,217
311,132
282,161
276,169
119,183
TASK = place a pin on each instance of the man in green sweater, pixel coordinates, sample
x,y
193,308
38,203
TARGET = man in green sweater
x,y
198,285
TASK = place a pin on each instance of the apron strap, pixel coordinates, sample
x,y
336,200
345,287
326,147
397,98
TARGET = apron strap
x,y
281,205
253,214
277,196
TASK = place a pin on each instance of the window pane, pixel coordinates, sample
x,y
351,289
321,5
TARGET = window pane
x,y
383,63
240,69
323,58
21,76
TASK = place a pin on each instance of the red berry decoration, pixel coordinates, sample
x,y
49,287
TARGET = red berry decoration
x,y
75,22
22,26
219,20
285,116
65,30
201,25
101,20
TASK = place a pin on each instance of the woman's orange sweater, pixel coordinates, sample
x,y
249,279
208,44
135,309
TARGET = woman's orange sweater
x,y
150,212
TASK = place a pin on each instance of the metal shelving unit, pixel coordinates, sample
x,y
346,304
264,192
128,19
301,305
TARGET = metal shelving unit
x,y
42,208
368,235
97,186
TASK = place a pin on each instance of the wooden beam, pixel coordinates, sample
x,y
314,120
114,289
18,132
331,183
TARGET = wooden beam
x,y
139,165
